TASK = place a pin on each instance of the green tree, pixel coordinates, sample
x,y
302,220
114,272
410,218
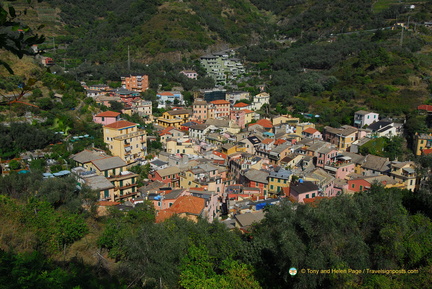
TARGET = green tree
x,y
198,270
116,106
14,165
19,38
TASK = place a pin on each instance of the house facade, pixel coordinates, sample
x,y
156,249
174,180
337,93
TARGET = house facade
x,y
364,118
125,140
139,83
106,117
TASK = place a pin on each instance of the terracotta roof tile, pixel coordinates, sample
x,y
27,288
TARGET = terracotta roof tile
x,y
247,110
165,93
219,154
121,124
185,204
220,101
425,107
267,141
310,130
241,104
426,151
108,114
264,123
279,141
188,204
108,203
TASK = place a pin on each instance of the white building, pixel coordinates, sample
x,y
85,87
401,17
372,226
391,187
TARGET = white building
x,y
259,100
362,118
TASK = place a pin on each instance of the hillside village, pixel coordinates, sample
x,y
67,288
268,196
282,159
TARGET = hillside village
x,y
220,159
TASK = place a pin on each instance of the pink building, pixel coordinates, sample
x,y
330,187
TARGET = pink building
x,y
200,110
325,156
169,176
310,132
106,117
302,190
239,116
343,170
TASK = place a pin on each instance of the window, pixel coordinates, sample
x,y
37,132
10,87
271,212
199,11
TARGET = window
x,y
307,196
361,188
106,194
313,195
352,186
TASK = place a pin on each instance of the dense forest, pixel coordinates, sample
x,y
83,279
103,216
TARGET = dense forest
x,y
383,229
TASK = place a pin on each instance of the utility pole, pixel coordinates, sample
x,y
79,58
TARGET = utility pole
x,y
401,40
402,35
128,59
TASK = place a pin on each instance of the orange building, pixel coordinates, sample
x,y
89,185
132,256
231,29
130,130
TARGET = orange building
x,y
139,83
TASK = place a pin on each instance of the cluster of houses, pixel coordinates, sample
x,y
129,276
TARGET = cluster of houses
x,y
221,159
129,94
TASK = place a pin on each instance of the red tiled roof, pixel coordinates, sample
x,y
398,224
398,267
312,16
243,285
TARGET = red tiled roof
x,y
264,123
108,114
219,154
247,110
121,124
241,104
220,101
165,93
108,203
425,107
279,141
166,130
310,130
184,204
267,141
426,151
313,201
164,215
188,204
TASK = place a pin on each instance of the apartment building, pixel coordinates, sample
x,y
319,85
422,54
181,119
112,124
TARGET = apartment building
x,y
139,83
125,140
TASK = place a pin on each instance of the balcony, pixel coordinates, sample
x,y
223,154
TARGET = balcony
x,y
130,135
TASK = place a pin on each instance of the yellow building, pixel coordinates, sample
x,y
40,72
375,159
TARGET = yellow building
x,y
342,137
249,115
285,119
114,169
180,147
125,140
174,118
405,172
422,141
279,180
187,180
300,127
